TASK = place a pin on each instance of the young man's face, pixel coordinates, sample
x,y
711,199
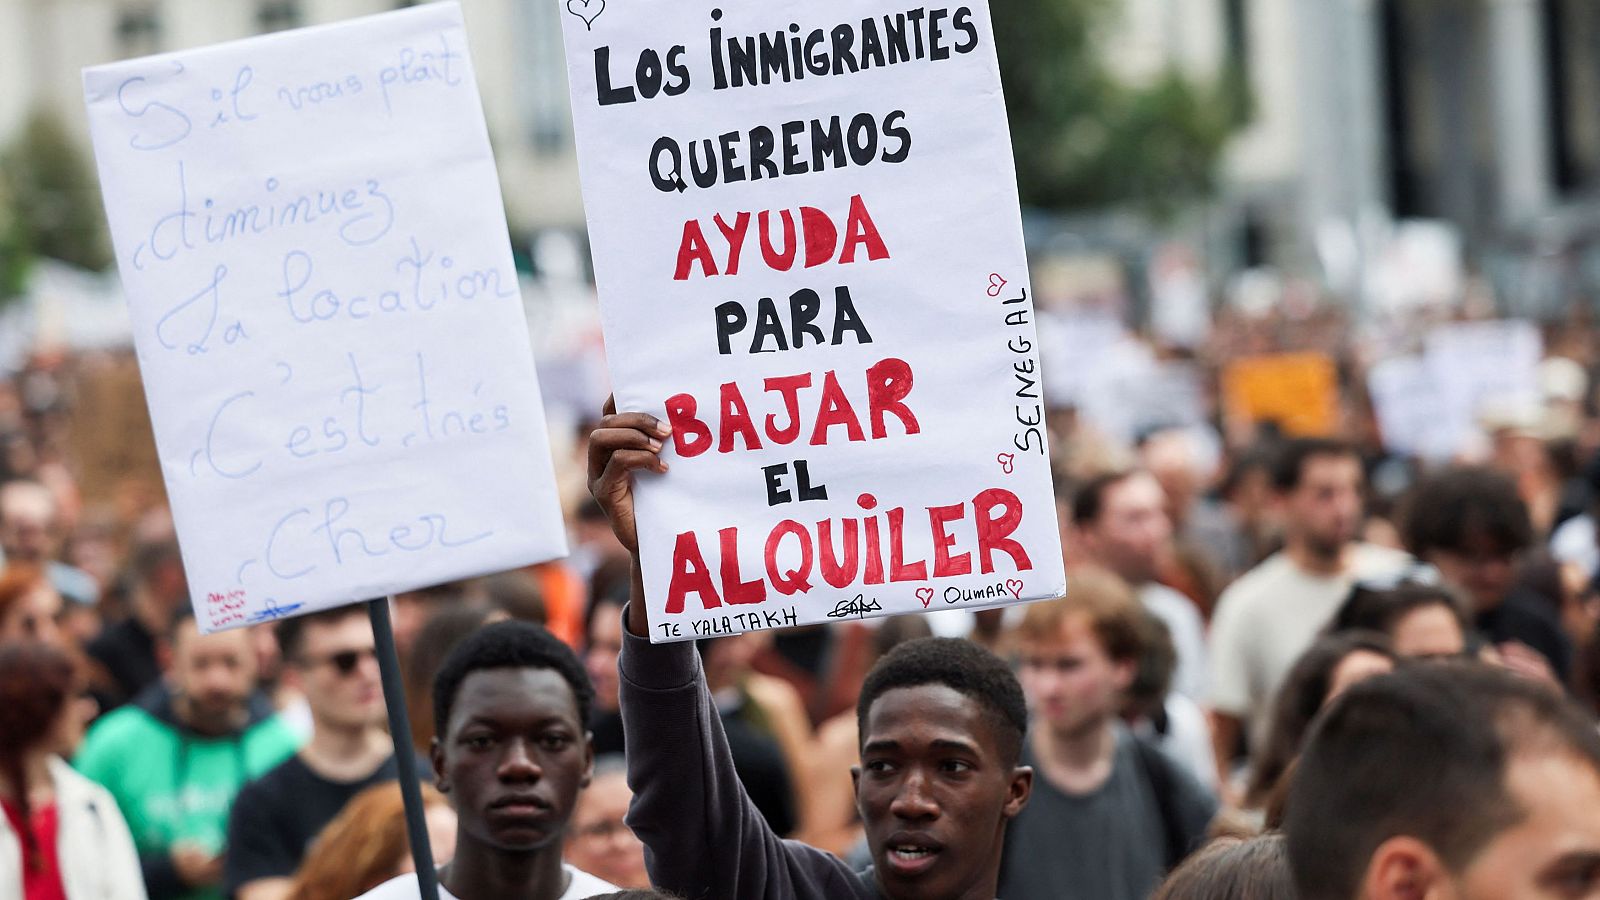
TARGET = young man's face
x,y
935,789
1554,852
338,669
1073,684
1324,509
513,757
1482,568
1132,532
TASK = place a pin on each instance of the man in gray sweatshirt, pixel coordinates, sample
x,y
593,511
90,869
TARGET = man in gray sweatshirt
x,y
942,724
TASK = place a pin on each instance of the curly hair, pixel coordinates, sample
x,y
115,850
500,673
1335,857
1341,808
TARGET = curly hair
x,y
1452,510
508,645
962,666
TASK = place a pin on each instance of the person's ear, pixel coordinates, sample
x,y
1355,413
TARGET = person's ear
x,y
436,757
855,785
1018,791
1124,671
588,759
1404,868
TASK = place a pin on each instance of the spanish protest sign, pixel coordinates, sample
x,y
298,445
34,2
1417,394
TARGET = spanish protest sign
x,y
311,238
810,262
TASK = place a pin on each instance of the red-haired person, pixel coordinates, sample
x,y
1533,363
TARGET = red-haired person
x,y
62,836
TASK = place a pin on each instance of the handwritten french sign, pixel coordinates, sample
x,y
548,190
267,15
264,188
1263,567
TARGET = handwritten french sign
x,y
311,238
810,261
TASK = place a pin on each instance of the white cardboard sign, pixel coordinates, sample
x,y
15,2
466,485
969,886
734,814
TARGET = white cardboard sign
x,y
311,239
810,261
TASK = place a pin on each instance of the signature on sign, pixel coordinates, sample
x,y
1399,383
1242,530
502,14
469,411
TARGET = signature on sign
x,y
855,606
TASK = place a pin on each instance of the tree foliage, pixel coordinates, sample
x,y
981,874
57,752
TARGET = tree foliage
x,y
54,197
1084,139
13,255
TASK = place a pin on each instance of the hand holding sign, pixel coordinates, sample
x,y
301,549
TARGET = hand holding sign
x,y
845,357
621,445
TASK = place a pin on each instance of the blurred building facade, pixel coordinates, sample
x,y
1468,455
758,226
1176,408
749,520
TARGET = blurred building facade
x,y
1483,114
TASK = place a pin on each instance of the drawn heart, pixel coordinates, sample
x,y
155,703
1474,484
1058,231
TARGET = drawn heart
x,y
587,10
925,595
996,283
1014,585
1007,461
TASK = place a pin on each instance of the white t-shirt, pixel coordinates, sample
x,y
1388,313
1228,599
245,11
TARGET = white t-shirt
x,y
405,887
1266,619
1188,632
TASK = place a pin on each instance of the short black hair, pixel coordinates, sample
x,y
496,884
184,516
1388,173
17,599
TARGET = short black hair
x,y
1090,497
291,632
962,666
508,645
1422,753
1459,506
1290,464
1370,609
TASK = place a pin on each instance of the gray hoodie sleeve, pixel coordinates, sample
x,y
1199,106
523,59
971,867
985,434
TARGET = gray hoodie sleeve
x,y
704,839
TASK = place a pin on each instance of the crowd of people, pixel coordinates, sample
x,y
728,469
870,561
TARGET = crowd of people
x,y
1285,667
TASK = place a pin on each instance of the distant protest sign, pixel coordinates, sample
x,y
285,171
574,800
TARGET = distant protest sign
x,y
809,254
312,242
1437,404
1298,391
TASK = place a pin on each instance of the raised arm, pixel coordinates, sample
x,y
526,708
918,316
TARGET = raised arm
x,y
703,836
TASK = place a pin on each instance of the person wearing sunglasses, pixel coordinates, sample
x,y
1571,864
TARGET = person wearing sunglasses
x,y
328,657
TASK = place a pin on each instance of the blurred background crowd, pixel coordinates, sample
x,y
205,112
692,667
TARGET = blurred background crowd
x,y
1316,287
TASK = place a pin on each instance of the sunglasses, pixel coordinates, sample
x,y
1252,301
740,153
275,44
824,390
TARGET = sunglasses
x,y
1415,573
345,662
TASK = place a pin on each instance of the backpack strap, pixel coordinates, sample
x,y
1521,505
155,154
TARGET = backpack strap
x,y
1158,775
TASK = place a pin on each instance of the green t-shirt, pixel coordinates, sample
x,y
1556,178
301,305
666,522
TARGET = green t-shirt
x,y
172,785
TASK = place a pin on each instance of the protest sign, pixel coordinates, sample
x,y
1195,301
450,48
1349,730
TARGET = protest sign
x,y
1437,404
1298,391
311,238
1480,366
1407,404
808,249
